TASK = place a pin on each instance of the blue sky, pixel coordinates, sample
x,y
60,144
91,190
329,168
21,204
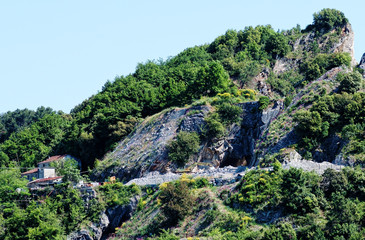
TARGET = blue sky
x,y
59,53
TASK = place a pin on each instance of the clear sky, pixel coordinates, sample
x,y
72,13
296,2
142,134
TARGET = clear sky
x,y
58,53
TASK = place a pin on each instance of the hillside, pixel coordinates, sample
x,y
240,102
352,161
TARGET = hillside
x,y
257,135
295,86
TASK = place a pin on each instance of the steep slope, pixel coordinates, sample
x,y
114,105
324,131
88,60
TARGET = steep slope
x,y
145,149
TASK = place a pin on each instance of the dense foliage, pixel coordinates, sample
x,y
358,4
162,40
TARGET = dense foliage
x,y
36,142
341,114
53,213
117,193
12,122
266,204
328,19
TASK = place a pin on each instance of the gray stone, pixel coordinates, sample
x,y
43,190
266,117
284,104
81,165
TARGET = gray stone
x,y
362,64
119,214
93,232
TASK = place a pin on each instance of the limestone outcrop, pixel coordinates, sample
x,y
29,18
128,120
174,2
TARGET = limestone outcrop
x,y
144,151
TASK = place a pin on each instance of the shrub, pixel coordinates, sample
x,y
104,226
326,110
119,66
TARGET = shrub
x,y
118,194
350,82
259,187
176,201
280,232
298,188
183,147
288,100
247,93
310,124
229,113
215,127
199,182
264,102
315,67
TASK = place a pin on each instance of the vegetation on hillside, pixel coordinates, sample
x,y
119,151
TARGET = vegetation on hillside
x,y
279,204
265,204
221,67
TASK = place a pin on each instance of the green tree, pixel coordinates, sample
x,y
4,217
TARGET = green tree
x,y
334,181
277,45
12,186
310,124
176,201
327,19
212,79
298,188
68,169
214,127
281,232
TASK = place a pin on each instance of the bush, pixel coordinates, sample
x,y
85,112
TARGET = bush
x,y
259,187
264,102
199,182
118,194
215,127
176,201
315,67
183,147
280,232
310,124
350,82
229,113
298,188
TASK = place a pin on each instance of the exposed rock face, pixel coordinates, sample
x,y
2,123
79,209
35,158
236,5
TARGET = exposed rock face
x,y
239,146
362,64
194,122
112,218
144,150
329,149
93,232
292,156
119,214
346,43
285,64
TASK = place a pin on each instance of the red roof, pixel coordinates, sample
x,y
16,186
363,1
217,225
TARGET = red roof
x,y
53,158
34,170
45,180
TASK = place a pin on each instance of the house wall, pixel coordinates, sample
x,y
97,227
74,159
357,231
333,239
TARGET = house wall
x,y
46,172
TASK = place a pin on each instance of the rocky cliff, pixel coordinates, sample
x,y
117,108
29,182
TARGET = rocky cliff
x,y
145,150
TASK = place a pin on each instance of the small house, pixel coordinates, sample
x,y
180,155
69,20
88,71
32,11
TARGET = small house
x,y
45,168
